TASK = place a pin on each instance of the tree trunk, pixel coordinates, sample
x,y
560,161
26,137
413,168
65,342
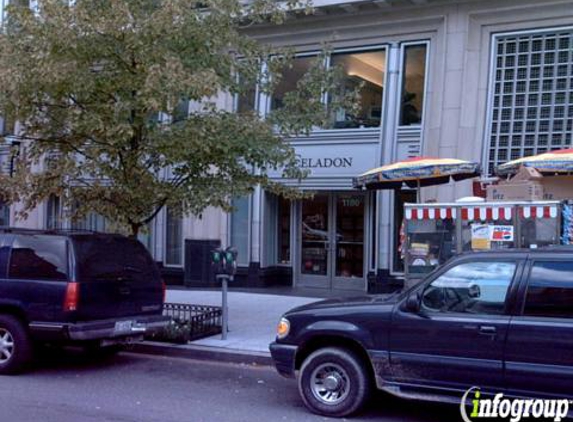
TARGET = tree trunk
x,y
134,230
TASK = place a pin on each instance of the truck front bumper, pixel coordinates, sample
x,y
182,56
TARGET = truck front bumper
x,y
284,357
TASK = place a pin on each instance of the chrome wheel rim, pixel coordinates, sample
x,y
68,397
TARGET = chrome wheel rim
x,y
330,383
6,345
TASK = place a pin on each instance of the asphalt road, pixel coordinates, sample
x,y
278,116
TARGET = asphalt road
x,y
68,386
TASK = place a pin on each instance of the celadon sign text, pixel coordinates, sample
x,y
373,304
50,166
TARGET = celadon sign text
x,y
514,410
324,162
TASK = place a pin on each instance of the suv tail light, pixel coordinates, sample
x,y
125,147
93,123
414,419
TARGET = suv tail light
x,y
72,297
164,290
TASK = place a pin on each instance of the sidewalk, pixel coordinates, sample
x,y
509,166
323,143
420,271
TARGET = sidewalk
x,y
253,318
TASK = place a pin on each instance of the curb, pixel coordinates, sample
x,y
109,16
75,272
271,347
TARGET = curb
x,y
206,353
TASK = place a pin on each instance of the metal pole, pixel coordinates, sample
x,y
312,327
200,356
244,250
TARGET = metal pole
x,y
225,310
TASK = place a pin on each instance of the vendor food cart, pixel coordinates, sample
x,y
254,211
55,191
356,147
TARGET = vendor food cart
x,y
435,232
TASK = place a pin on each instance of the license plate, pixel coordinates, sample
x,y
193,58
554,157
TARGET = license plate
x,y
123,326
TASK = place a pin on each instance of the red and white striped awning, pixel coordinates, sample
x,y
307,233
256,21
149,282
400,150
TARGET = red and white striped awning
x,y
480,213
545,211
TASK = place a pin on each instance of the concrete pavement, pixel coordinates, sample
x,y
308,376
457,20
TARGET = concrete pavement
x,y
70,386
253,317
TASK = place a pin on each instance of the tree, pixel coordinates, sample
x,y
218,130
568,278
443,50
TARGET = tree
x,y
97,87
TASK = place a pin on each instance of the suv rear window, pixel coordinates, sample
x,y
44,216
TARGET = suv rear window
x,y
550,290
38,257
105,258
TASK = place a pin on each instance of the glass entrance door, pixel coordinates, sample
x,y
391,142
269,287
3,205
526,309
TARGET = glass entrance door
x,y
349,251
331,246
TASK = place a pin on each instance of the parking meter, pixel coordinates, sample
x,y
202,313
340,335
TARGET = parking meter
x,y
218,260
224,264
231,261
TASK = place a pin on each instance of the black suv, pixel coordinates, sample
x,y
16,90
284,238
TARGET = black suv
x,y
501,321
57,286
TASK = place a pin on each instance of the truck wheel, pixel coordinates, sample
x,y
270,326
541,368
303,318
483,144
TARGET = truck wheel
x,y
334,382
15,345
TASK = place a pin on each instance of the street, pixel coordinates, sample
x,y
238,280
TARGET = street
x,y
67,386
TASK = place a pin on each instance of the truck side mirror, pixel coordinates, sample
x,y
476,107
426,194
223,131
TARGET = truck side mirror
x,y
413,303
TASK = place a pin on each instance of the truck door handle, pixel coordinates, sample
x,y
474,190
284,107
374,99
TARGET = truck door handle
x,y
487,329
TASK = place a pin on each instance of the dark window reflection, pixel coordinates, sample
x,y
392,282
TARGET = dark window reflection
x,y
39,258
289,79
369,70
414,81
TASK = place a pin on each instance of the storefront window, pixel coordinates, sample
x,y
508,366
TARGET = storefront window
x,y
400,198
53,215
536,232
181,112
413,84
4,214
487,235
289,79
369,70
431,242
245,102
240,229
283,235
173,238
92,221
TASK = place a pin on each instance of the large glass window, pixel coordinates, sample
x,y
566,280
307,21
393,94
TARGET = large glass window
x,y
366,69
245,102
4,214
240,229
92,221
289,80
283,235
471,288
39,258
550,290
173,238
531,109
413,84
53,216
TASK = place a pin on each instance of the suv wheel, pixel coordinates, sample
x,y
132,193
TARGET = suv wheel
x,y
334,382
15,345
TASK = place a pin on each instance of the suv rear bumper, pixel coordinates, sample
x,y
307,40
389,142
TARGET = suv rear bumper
x,y
101,329
284,358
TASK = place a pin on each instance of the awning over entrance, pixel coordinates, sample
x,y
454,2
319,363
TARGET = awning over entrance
x,y
480,213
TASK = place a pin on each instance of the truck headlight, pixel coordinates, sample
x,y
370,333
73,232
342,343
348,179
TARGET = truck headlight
x,y
283,328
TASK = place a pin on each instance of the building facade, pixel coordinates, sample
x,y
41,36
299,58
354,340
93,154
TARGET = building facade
x,y
482,80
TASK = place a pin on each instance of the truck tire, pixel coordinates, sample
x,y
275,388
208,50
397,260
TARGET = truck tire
x,y
15,345
334,382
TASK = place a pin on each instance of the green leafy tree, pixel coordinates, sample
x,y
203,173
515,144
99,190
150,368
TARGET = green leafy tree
x,y
98,89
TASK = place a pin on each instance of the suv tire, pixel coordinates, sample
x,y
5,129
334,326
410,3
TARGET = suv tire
x,y
334,382
15,345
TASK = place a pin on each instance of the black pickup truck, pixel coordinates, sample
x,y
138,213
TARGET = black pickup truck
x,y
501,321
92,289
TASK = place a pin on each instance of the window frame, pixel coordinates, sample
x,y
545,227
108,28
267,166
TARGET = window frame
x,y
182,239
266,100
249,231
513,288
402,66
491,82
70,268
524,287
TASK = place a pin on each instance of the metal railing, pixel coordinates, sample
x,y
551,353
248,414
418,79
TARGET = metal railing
x,y
189,322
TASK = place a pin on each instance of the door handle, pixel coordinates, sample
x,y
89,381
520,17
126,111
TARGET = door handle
x,y
487,329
